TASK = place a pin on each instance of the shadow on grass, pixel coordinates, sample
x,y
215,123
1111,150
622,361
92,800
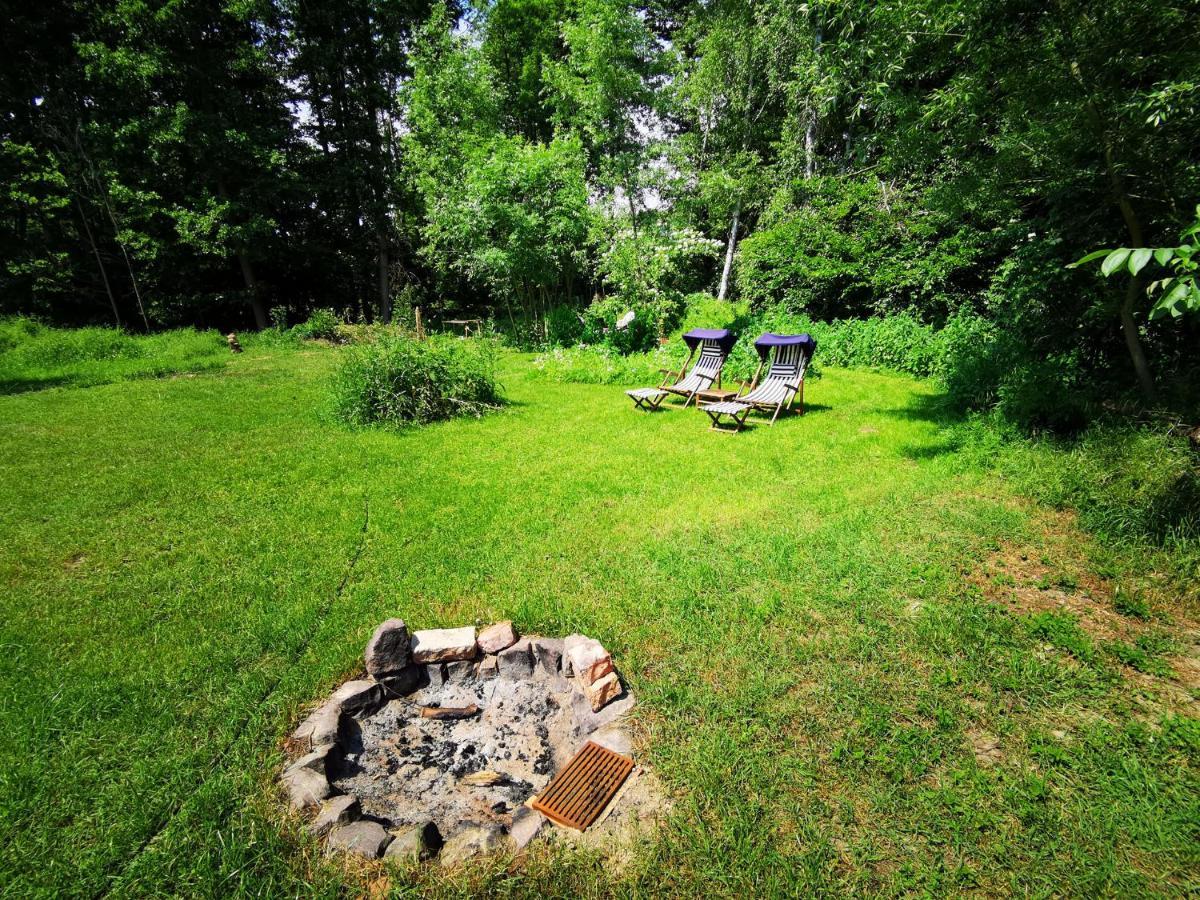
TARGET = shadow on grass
x,y
25,385
934,409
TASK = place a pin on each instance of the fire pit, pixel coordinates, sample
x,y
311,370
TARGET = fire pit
x,y
442,748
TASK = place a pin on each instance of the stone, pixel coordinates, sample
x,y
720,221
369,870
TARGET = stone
x,y
517,660
320,728
471,841
356,696
407,680
387,651
459,671
547,653
588,721
615,738
526,825
497,637
341,810
366,839
489,667
305,787
443,644
413,844
602,690
436,675
588,659
315,760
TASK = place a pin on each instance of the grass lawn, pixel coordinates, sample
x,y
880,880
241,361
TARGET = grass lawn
x,y
864,664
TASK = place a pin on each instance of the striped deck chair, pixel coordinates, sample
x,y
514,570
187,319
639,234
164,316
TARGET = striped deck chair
x,y
783,384
713,345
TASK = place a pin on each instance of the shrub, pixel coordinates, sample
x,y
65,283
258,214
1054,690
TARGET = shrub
x,y
397,379
322,324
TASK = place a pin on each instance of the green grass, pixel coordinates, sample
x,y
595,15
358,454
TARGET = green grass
x,y
33,356
189,561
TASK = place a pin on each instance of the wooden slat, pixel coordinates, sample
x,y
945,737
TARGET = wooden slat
x,y
577,795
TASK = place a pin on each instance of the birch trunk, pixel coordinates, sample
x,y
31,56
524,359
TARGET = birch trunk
x,y
733,230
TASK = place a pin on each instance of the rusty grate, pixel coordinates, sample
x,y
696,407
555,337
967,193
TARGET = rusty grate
x,y
579,793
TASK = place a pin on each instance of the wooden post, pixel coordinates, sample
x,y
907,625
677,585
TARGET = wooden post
x,y
420,330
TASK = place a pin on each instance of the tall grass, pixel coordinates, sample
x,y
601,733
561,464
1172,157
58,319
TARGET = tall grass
x,y
34,355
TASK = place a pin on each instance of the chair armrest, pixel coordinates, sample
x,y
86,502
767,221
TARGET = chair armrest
x,y
670,372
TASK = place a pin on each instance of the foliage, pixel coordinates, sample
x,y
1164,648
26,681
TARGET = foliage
x,y
839,247
603,365
397,380
321,324
1179,292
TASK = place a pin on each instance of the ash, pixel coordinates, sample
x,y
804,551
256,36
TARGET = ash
x,y
408,770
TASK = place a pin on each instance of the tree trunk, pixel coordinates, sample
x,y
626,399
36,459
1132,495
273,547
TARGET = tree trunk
x,y
810,132
137,294
729,253
256,304
99,262
1129,329
385,290
260,311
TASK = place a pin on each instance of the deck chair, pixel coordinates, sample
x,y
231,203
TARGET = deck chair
x,y
713,346
782,385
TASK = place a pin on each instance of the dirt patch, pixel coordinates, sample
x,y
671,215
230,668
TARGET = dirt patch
x,y
1055,577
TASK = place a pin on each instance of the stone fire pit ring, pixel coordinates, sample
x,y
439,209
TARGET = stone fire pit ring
x,y
438,751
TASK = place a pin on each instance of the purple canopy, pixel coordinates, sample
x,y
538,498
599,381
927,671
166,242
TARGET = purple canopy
x,y
767,340
723,337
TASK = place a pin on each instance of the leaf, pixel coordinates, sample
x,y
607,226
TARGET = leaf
x,y
1095,254
1138,259
1114,261
1163,255
1182,297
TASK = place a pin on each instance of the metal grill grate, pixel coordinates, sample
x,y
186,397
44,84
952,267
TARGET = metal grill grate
x,y
579,793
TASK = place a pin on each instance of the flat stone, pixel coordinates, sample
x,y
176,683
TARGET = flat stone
x,y
489,667
615,737
340,810
413,844
459,671
320,728
367,839
472,841
443,644
388,649
497,637
305,787
356,696
526,825
602,690
588,659
588,721
547,653
517,660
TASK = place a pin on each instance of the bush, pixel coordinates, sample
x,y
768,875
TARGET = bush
x,y
397,380
322,324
